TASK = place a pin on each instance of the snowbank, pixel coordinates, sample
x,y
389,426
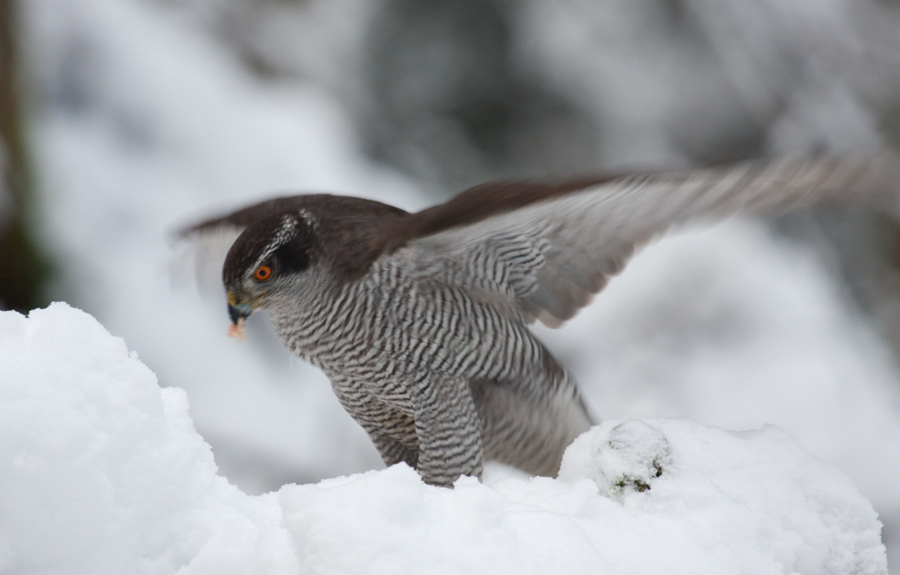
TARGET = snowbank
x,y
142,120
103,472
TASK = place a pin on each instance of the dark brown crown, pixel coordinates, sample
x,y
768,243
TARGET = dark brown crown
x,y
318,227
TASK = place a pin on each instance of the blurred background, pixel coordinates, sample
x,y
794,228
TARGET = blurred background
x,y
122,120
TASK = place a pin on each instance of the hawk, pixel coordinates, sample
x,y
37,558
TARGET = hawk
x,y
420,320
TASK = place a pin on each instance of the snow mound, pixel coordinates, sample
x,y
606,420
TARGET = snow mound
x,y
101,471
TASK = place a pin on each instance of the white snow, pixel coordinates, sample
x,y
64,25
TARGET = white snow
x,y
102,471
141,121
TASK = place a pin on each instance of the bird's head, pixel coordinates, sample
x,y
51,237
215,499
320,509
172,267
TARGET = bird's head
x,y
265,262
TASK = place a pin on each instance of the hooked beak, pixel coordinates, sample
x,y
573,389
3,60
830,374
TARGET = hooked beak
x,y
238,310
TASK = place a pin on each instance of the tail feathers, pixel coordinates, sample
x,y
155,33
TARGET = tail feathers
x,y
528,434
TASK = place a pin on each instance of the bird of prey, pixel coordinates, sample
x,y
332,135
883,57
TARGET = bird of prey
x,y
420,320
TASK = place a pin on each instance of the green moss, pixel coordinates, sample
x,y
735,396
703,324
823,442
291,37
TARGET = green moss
x,y
635,483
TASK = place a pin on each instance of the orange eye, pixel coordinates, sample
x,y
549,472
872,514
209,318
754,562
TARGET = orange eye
x,y
263,273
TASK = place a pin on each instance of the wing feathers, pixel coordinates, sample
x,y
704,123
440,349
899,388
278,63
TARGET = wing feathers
x,y
545,249
589,229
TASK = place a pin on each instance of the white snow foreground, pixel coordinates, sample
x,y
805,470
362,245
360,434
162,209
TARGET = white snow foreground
x,y
101,471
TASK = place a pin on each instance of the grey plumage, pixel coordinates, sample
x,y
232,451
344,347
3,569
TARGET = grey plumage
x,y
420,320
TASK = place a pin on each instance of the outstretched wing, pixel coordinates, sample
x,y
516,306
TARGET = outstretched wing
x,y
542,252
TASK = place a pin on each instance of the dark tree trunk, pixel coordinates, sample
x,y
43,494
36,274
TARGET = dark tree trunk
x,y
22,267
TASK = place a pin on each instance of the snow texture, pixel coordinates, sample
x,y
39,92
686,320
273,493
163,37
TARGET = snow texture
x,y
103,472
142,121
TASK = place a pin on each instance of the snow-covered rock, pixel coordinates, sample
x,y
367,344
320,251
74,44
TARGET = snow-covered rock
x,y
102,471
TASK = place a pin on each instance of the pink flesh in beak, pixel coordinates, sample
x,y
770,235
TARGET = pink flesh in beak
x,y
236,330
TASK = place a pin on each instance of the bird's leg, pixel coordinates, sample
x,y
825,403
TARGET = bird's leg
x,y
449,431
384,424
391,450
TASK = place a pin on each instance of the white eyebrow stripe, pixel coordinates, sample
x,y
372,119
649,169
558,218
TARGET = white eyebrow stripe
x,y
289,224
308,218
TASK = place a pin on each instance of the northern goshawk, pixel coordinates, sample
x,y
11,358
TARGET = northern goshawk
x,y
421,320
